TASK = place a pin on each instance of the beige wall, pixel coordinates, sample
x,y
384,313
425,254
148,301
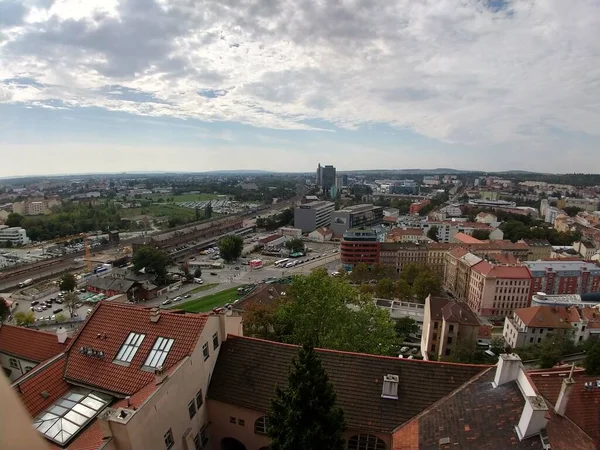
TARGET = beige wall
x,y
22,365
167,408
221,415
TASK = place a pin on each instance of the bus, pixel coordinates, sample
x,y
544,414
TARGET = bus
x,y
281,262
256,264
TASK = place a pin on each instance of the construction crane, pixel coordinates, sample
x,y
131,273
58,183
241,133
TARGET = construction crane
x,y
88,257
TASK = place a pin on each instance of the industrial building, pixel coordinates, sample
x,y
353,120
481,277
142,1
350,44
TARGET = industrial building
x,y
310,216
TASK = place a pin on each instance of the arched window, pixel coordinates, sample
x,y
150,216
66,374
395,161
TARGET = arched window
x,y
365,442
261,424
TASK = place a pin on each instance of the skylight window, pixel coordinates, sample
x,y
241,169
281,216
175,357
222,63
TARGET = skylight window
x,y
130,347
69,414
159,352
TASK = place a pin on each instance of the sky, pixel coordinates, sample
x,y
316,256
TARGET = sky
x,y
196,85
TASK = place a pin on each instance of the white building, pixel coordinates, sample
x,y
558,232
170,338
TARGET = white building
x,y
14,235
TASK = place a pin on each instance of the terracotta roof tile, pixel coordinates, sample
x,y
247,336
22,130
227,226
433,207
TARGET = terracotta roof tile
x,y
29,344
544,316
459,312
116,321
500,271
466,239
248,370
458,252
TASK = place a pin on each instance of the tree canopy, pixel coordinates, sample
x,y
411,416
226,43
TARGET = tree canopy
x,y
592,358
303,414
295,245
432,233
4,310
482,235
231,247
406,326
24,318
67,282
419,281
152,260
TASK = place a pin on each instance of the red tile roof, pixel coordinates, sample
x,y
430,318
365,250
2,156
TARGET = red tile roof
x,y
466,239
116,321
459,312
544,316
458,252
90,439
47,378
499,271
29,344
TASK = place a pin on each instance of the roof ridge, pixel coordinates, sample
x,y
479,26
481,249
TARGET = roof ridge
x,y
343,352
33,330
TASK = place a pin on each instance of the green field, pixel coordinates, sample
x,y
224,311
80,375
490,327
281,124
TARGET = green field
x,y
209,302
182,197
160,210
204,287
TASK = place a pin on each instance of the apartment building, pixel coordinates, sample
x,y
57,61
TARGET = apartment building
x,y
529,326
133,378
416,207
448,228
457,273
587,204
445,322
587,248
398,254
497,290
436,256
365,215
310,216
14,235
564,277
360,245
407,235
36,206
538,249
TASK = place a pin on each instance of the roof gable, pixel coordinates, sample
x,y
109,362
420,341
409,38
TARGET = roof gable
x,y
29,344
108,328
248,370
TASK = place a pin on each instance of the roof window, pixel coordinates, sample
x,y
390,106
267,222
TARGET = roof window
x,y
159,352
130,347
390,387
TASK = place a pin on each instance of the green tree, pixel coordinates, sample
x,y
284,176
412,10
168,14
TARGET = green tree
x,y
71,300
4,310
402,289
67,282
61,317
327,312
592,358
432,233
553,346
231,247
410,272
24,318
482,235
185,269
466,351
360,273
295,245
303,414
572,210
406,326
381,271
498,345
152,260
14,220
198,272
385,288
426,284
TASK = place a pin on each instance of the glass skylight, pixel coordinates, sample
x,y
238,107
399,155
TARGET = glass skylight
x,y
69,414
159,352
130,347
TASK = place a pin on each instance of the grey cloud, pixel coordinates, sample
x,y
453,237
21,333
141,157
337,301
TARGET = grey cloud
x,y
406,94
11,13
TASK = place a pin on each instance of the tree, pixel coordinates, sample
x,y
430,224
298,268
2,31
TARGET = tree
x,y
295,245
482,235
67,282
4,310
24,318
497,345
553,346
70,301
360,273
198,272
432,233
426,284
327,312
410,272
260,321
185,269
406,326
61,317
402,289
592,358
231,247
572,210
14,220
152,260
303,415
466,351
385,288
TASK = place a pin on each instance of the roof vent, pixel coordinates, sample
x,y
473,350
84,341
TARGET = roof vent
x,y
390,387
154,315
444,441
45,394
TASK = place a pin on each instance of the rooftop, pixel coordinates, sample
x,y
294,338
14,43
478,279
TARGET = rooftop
x,y
113,284
544,316
500,271
29,344
562,266
466,239
248,370
459,312
264,294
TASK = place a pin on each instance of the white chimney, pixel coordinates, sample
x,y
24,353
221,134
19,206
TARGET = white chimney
x,y
565,392
533,419
61,333
508,369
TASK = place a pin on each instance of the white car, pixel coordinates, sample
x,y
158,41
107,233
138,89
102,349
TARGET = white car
x,y
178,298
167,302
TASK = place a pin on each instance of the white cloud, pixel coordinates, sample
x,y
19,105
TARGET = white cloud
x,y
462,71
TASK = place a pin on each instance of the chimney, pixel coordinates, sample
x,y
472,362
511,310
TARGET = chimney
x,y
565,392
533,419
508,369
160,375
61,334
154,315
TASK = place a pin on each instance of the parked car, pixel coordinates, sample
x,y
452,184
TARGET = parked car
x,y
176,299
214,274
35,302
39,309
57,310
187,296
167,302
237,268
59,301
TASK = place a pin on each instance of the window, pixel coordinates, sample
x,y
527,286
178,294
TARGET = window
x,y
434,336
232,420
451,328
28,368
169,441
583,328
13,363
447,352
539,340
199,399
203,437
365,442
261,425
241,422
159,352
531,340
433,348
435,325
215,341
449,340
130,347
197,444
205,351
192,409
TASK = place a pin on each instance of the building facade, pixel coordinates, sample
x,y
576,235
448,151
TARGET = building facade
x,y
354,217
529,326
564,277
538,249
310,216
14,235
360,245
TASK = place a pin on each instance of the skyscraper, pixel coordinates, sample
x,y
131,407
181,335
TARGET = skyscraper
x,y
327,177
319,175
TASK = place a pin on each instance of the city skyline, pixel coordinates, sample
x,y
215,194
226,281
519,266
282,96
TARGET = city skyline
x,y
146,86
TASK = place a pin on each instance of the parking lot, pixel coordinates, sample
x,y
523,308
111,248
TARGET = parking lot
x,y
48,308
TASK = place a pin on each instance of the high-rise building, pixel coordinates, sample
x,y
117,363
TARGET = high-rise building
x,y
327,177
319,175
355,216
564,277
310,216
359,245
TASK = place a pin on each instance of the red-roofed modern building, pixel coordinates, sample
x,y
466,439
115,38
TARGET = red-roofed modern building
x,y
497,290
21,349
132,378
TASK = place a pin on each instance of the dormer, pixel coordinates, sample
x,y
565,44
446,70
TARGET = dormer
x,y
390,387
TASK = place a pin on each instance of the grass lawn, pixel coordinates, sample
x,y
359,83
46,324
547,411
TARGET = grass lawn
x,y
160,211
209,302
182,197
203,287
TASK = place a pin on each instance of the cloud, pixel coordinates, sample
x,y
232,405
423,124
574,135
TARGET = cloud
x,y
470,72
